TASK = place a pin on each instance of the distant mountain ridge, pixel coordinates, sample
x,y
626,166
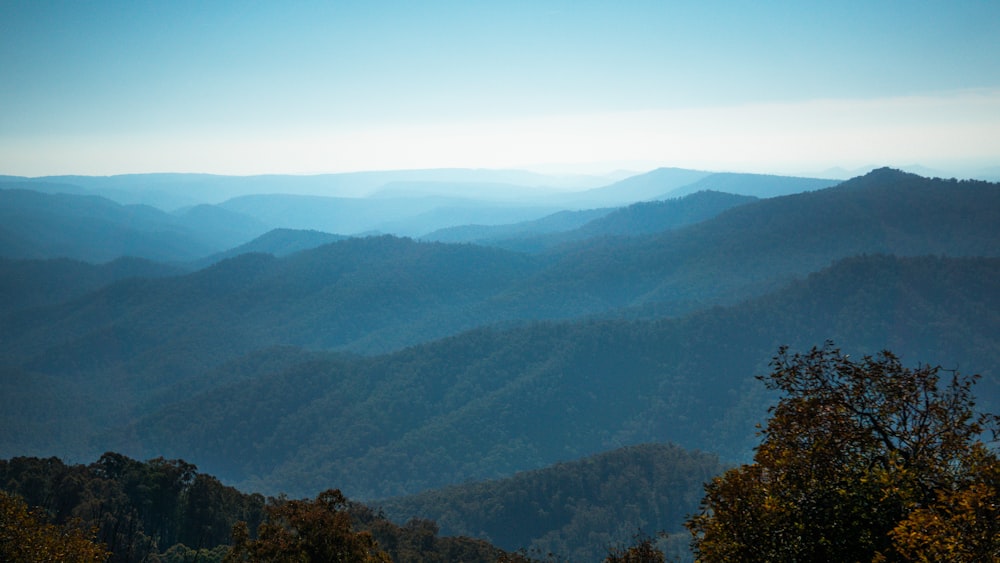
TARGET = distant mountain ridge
x,y
656,217
764,244
277,242
485,234
572,226
95,229
417,203
410,216
641,187
380,294
756,185
169,191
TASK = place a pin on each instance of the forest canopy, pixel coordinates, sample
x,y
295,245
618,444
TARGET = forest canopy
x,y
861,460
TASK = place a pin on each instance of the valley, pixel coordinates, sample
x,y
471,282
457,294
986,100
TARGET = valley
x,y
410,344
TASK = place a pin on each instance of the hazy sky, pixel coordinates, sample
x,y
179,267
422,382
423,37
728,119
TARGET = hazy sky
x,y
305,87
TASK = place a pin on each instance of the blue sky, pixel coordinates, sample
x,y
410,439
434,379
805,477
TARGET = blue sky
x,y
308,87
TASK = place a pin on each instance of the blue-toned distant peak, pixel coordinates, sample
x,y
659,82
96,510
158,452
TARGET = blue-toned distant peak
x,y
756,185
887,178
640,187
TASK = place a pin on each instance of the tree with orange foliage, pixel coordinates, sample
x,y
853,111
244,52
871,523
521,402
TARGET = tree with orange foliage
x,y
26,537
860,461
302,530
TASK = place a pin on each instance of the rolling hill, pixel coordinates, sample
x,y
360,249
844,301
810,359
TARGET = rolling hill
x,y
491,402
27,284
644,218
754,185
487,234
409,216
99,219
243,367
171,191
573,226
760,246
94,229
576,509
381,293
641,187
277,242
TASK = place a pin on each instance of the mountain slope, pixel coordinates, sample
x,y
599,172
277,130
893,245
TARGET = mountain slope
x,y
757,247
22,183
486,234
74,370
25,284
172,190
755,185
574,226
488,403
352,293
379,294
659,216
575,509
278,242
408,216
641,187
223,227
94,229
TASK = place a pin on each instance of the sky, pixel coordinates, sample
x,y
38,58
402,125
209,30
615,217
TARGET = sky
x,y
254,87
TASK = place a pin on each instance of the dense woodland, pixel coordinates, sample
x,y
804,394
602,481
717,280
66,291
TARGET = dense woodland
x,y
579,509
165,510
493,401
515,381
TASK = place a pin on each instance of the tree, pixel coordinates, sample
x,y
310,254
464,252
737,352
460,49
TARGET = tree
x,y
644,550
25,536
964,525
856,458
301,530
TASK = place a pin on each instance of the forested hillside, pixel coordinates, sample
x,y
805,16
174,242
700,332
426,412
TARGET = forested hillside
x,y
485,234
165,510
758,247
642,218
576,509
95,229
26,284
756,185
277,242
406,216
490,402
379,294
388,367
656,217
641,187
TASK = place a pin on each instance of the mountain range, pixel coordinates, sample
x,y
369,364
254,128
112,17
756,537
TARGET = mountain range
x,y
290,360
97,219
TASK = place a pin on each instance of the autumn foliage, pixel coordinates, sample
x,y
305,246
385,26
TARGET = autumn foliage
x,y
26,536
861,460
